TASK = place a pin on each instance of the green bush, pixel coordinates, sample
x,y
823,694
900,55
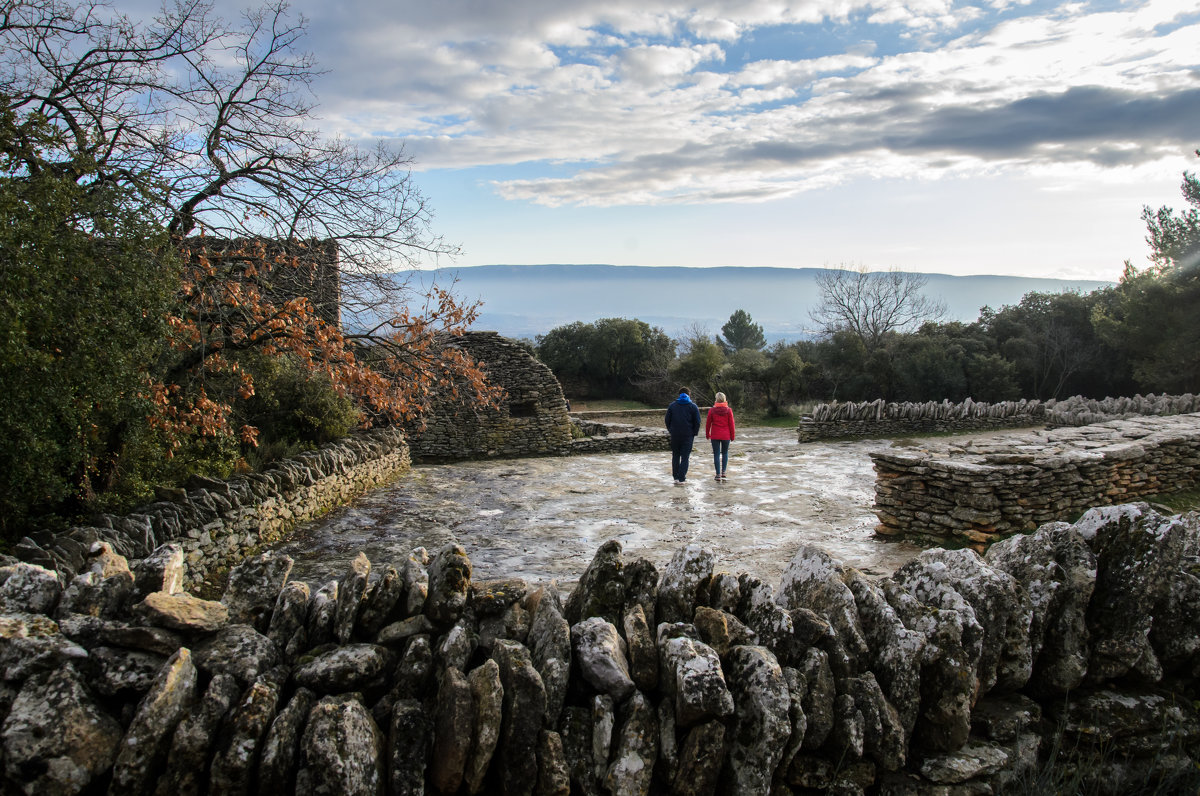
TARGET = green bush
x,y
292,405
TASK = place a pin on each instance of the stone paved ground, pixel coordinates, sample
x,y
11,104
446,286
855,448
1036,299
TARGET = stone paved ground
x,y
544,518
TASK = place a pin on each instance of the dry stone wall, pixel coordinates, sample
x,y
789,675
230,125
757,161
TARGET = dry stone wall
x,y
531,420
982,490
958,674
595,437
217,523
880,419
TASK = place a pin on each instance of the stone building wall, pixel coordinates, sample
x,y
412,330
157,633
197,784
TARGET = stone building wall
x,y
983,490
217,523
531,420
1067,656
307,268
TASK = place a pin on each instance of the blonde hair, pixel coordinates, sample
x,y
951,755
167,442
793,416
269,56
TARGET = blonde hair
x,y
720,397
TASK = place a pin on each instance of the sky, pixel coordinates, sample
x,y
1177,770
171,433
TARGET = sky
x,y
984,137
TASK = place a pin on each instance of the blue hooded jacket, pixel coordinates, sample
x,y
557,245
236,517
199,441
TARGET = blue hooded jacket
x,y
683,418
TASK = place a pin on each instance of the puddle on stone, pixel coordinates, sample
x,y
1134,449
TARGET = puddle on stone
x,y
544,518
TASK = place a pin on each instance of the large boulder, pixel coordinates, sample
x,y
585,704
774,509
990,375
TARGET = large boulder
x,y
922,593
637,749
691,676
815,581
254,586
181,611
29,589
288,624
343,669
57,738
342,750
351,589
32,643
601,589
281,746
194,738
684,583
322,613
148,739
1138,552
761,723
700,760
524,710
487,700
453,728
239,650
896,653
1006,656
238,747
449,585
416,581
381,600
602,658
549,641
1057,569
408,748
162,570
771,622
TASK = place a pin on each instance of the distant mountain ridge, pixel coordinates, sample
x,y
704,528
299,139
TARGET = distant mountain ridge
x,y
528,300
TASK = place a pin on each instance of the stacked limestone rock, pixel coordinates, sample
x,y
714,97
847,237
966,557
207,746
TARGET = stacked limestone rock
x,y
217,523
882,419
596,437
983,490
531,419
949,677
1079,411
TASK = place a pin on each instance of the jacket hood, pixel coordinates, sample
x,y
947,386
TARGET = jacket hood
x,y
683,397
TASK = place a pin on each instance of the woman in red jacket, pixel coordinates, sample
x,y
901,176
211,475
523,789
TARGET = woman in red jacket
x,y
718,429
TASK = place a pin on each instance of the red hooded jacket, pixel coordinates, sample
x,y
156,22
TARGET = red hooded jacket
x,y
719,424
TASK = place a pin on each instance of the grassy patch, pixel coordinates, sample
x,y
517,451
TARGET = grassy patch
x,y
1187,500
610,406
754,419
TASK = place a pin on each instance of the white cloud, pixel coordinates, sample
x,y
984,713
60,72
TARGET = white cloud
x,y
638,94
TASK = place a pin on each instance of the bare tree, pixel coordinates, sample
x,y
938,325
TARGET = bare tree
x,y
212,125
870,304
208,129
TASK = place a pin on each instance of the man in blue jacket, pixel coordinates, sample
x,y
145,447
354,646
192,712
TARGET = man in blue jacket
x,y
683,424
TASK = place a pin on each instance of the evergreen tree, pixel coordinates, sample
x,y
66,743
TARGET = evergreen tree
x,y
740,333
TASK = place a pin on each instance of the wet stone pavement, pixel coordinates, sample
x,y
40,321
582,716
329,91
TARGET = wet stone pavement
x,y
544,518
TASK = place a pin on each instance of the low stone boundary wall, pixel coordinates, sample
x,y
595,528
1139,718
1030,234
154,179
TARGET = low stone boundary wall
x,y
1079,411
217,523
617,438
627,417
880,419
986,489
958,674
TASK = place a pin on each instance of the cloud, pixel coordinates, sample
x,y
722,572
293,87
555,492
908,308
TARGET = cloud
x,y
643,101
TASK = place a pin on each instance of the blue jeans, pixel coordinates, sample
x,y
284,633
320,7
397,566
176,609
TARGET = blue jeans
x,y
720,454
681,451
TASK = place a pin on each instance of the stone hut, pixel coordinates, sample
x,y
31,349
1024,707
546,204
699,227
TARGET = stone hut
x,y
530,421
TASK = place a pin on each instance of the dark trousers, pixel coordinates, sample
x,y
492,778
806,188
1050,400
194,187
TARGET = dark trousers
x,y
681,451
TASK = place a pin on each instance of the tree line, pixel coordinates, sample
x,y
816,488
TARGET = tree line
x,y
160,181
879,336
